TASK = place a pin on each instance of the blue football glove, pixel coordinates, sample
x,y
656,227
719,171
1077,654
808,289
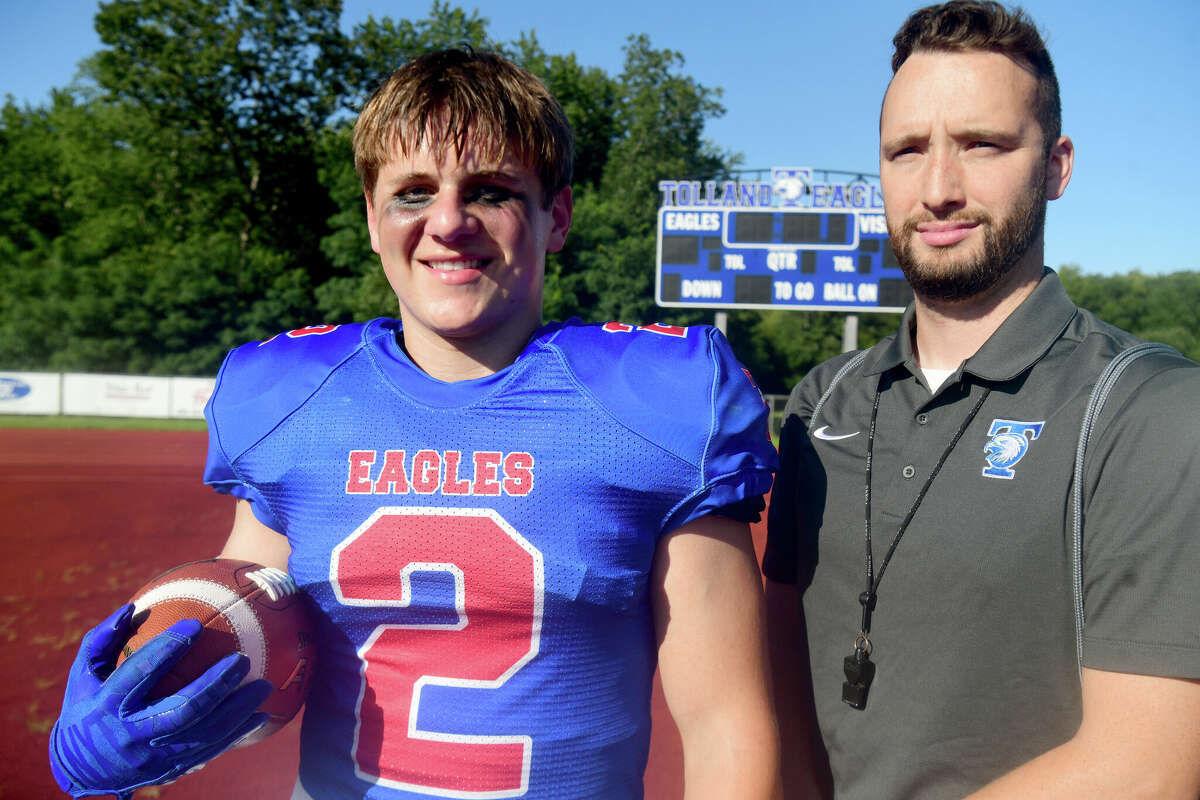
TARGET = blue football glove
x,y
110,740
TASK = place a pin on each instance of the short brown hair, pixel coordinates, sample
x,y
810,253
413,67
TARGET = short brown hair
x,y
452,98
986,25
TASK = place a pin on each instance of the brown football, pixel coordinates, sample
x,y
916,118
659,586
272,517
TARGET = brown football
x,y
244,607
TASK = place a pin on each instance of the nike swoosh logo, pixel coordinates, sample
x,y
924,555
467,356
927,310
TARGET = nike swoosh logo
x,y
822,433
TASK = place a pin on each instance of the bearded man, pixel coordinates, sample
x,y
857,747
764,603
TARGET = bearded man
x,y
943,457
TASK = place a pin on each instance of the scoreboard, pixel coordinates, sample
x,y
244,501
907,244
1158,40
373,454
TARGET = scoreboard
x,y
777,256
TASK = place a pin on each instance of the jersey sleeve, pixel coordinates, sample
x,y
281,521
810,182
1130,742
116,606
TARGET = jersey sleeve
x,y
259,385
1141,550
739,460
683,391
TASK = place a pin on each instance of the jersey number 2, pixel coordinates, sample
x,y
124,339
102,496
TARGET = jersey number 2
x,y
491,633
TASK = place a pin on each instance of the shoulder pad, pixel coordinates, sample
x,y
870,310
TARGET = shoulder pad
x,y
261,383
680,388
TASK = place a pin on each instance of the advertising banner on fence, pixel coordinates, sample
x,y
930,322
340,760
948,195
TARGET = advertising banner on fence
x,y
30,392
188,396
116,395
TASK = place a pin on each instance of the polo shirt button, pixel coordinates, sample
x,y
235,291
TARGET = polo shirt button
x,y
922,418
908,471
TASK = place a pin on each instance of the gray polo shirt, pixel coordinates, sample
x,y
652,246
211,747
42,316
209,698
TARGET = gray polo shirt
x,y
973,635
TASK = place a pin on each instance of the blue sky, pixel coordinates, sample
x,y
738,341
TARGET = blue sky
x,y
802,84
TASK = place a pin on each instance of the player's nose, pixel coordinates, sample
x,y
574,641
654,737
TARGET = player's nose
x,y
449,216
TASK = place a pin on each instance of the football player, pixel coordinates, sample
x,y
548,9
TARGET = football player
x,y
504,525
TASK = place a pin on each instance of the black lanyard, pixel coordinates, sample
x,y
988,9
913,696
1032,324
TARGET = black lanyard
x,y
859,669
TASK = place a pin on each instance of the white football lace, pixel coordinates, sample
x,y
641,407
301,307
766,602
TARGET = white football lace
x,y
275,582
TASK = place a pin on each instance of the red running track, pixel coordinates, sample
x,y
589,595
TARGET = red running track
x,y
89,516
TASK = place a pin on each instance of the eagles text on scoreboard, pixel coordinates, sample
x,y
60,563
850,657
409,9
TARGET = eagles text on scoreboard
x,y
788,243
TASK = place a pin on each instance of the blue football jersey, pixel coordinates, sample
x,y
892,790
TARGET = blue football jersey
x,y
480,551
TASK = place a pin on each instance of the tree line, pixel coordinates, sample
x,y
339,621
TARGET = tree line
x,y
195,190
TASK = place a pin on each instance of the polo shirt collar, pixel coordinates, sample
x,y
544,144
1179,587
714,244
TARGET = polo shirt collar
x,y
1016,345
893,351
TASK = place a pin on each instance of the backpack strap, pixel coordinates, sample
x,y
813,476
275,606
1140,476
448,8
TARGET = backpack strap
x,y
854,361
1096,401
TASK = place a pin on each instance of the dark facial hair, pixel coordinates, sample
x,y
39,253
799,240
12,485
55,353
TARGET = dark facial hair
x,y
1005,243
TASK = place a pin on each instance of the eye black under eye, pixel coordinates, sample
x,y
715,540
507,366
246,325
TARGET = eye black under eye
x,y
491,195
412,197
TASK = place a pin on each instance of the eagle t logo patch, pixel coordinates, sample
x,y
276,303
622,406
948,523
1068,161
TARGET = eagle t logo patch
x,y
1007,444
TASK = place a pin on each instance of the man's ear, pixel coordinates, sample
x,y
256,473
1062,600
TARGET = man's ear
x,y
560,214
372,221
1059,165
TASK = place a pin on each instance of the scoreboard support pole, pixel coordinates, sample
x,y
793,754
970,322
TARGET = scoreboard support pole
x,y
850,333
721,322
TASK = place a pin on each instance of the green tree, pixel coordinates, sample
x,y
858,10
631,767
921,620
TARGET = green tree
x,y
52,161
588,96
607,269
1162,308
197,190
191,156
246,87
379,46
780,347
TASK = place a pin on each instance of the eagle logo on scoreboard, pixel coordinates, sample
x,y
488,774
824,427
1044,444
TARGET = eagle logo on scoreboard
x,y
790,184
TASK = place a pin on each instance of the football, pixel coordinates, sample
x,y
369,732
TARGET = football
x,y
244,607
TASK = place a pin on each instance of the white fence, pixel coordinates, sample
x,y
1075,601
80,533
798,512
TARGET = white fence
x,y
99,395
103,395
